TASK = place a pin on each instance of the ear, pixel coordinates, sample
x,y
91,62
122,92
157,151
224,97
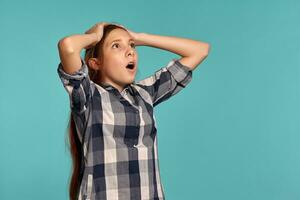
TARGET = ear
x,y
94,63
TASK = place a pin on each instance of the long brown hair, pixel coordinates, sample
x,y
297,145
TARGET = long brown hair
x,y
75,146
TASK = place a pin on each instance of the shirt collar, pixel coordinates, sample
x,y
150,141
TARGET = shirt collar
x,y
128,87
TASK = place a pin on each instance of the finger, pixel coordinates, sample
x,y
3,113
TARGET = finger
x,y
121,25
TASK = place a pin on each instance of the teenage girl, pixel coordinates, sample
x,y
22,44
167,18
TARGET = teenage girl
x,y
112,130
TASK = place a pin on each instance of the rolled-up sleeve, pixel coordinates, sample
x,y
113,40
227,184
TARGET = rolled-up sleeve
x,y
167,81
78,86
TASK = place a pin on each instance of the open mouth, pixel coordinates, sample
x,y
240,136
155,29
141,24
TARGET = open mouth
x,y
130,66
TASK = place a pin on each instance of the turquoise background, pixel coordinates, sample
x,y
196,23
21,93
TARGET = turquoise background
x,y
232,133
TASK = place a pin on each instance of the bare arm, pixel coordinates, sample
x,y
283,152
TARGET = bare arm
x,y
192,51
70,47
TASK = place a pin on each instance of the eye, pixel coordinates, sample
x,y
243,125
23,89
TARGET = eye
x,y
115,44
133,45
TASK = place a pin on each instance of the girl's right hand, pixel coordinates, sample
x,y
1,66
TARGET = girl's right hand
x,y
98,29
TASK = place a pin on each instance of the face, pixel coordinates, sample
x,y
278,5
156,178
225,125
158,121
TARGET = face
x,y
118,51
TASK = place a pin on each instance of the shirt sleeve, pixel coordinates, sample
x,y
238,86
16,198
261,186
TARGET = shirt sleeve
x,y
167,81
78,86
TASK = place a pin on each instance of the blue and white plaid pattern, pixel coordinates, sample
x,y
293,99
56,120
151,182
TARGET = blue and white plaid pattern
x,y
117,131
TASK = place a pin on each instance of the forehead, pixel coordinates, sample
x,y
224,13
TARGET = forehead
x,y
118,34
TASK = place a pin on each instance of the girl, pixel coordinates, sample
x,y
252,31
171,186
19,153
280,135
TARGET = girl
x,y
112,126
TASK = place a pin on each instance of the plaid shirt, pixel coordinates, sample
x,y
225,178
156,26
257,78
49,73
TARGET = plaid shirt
x,y
117,131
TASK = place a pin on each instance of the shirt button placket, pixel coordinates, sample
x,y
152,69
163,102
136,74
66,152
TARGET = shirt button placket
x,y
137,121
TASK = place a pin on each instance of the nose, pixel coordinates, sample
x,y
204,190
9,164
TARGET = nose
x,y
130,52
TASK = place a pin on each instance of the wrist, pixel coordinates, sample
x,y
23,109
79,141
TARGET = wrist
x,y
91,40
139,39
96,37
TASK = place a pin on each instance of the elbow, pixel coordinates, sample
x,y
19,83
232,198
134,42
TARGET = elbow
x,y
208,48
202,53
205,49
64,45
202,50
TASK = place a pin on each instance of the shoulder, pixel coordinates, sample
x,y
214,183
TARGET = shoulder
x,y
141,90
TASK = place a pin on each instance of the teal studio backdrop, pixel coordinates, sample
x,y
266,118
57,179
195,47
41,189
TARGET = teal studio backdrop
x,y
233,133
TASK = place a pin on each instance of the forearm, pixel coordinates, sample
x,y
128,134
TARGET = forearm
x,y
69,50
75,43
182,46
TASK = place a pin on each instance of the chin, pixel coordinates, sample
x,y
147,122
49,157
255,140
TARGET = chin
x,y
131,80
